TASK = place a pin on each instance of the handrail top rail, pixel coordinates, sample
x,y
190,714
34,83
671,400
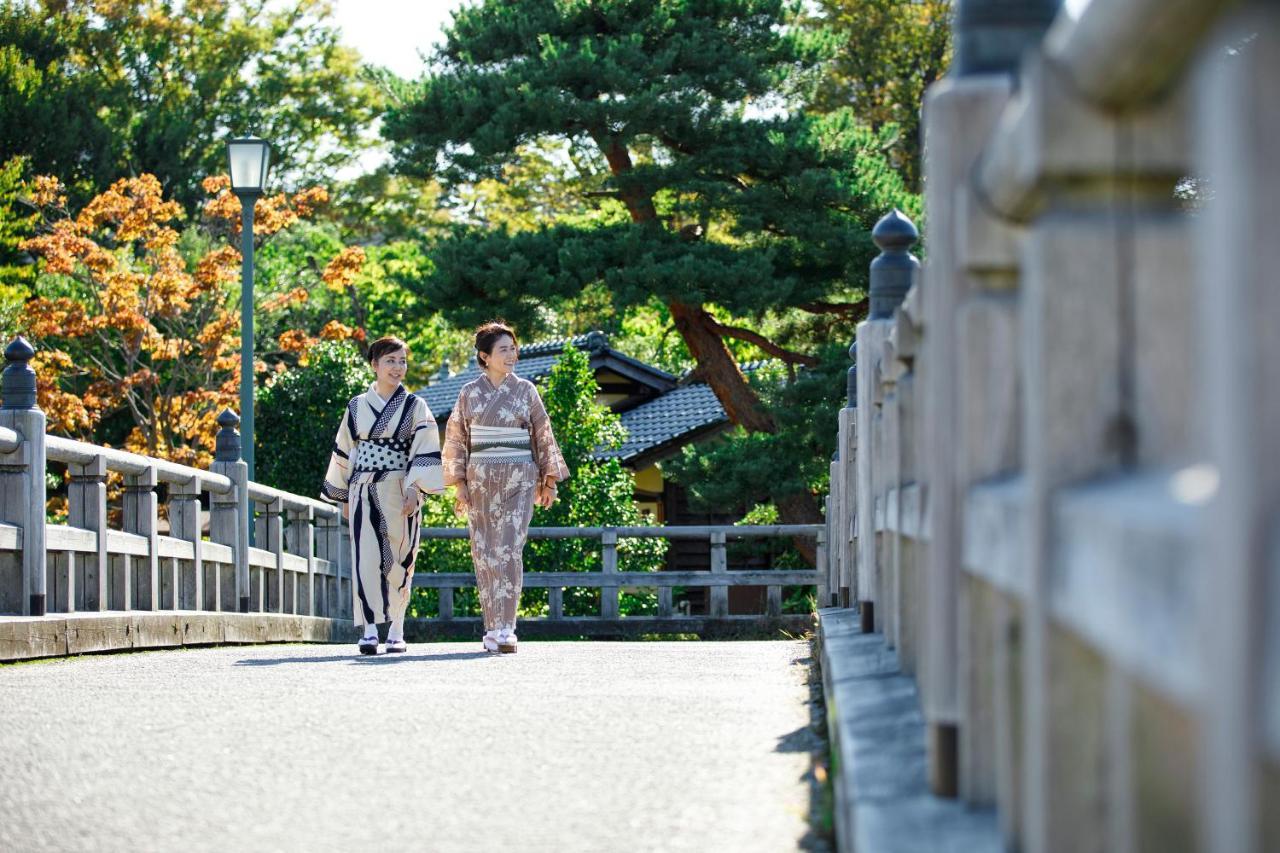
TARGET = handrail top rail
x,y
267,494
76,452
691,531
9,440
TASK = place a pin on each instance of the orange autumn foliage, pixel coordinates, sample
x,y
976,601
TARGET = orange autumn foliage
x,y
153,336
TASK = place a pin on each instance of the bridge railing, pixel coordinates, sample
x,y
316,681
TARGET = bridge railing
x,y
296,563
610,581
1055,493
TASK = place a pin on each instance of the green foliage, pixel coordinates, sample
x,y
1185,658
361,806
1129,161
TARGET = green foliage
x,y
889,52
17,222
298,415
91,89
597,493
52,108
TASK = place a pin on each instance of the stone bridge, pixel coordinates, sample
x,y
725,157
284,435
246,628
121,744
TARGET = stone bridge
x,y
1049,577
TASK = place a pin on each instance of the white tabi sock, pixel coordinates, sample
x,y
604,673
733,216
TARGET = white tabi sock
x,y
396,631
371,632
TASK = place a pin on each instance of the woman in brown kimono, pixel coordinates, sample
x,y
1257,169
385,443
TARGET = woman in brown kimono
x,y
385,457
501,455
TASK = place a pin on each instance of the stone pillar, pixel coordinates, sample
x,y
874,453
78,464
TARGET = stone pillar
x,y
1087,184
272,522
846,586
903,344
87,510
301,541
22,488
184,524
140,519
229,513
1237,119
892,274
959,114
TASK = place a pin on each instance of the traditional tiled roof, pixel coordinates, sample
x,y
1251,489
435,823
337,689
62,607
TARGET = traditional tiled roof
x,y
678,414
667,420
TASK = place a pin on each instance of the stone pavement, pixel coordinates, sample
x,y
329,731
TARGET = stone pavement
x,y
698,746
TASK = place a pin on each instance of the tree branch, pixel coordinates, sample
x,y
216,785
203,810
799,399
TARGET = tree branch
x,y
859,307
764,343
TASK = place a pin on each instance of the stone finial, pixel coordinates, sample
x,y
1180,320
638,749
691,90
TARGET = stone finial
x,y
851,387
597,341
18,386
895,269
227,444
991,35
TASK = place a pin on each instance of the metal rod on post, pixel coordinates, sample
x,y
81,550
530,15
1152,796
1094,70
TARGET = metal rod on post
x,y
247,202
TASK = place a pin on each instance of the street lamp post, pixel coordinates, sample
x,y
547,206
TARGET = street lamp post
x,y
250,158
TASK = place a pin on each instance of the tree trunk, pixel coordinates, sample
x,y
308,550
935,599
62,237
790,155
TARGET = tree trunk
x,y
715,362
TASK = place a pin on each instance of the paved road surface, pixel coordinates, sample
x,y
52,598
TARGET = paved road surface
x,y
697,746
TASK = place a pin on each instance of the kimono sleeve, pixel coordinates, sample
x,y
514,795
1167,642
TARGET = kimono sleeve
x,y
338,474
425,472
457,443
546,452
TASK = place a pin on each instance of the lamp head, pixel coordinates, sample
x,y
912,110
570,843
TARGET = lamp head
x,y
249,159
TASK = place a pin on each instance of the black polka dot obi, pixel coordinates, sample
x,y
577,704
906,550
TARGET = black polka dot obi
x,y
382,454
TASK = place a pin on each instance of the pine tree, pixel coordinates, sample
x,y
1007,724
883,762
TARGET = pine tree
x,y
728,211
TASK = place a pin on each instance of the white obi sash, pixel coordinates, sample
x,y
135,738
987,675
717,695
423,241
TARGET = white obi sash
x,y
499,444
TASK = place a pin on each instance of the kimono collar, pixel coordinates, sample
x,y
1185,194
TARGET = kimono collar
x,y
500,384
395,395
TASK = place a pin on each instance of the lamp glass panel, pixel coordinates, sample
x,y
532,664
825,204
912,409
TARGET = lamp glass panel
x,y
247,165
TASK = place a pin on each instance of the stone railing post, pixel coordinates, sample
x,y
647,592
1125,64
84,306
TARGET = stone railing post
x,y
184,524
719,566
892,274
609,567
960,113
1104,359
846,545
272,597
141,519
22,488
229,517
301,539
1238,303
87,509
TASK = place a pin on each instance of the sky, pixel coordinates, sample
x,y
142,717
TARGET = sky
x,y
393,33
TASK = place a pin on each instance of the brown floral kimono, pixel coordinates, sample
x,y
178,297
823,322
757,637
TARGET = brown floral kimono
x,y
499,442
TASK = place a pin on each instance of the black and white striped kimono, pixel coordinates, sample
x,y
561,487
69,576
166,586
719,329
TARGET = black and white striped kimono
x,y
384,448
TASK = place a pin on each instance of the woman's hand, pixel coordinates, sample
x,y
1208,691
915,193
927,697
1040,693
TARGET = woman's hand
x,y
412,501
461,499
545,495
346,510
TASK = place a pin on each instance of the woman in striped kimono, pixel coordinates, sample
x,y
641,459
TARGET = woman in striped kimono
x,y
502,457
386,455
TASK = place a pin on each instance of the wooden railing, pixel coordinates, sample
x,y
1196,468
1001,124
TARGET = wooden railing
x,y
1056,491
297,561
298,565
610,581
